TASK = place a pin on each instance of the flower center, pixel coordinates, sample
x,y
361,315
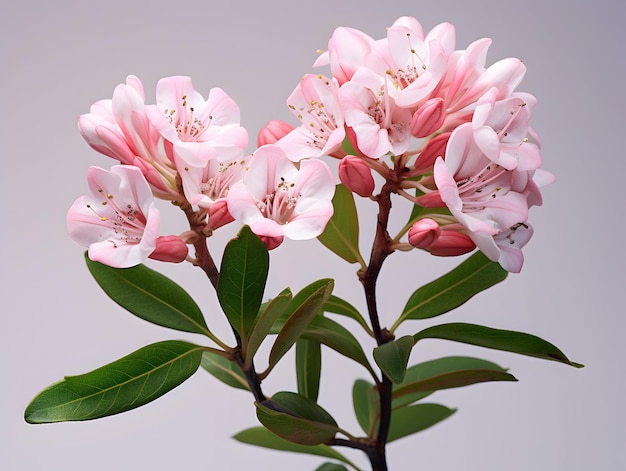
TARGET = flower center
x,y
477,191
127,223
281,203
216,186
188,127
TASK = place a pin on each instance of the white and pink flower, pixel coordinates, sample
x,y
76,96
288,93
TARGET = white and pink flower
x,y
370,110
119,221
119,128
315,102
194,128
278,198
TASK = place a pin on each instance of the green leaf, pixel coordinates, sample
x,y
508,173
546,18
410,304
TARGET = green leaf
x,y
263,324
454,379
366,406
125,384
436,368
243,274
336,305
332,467
302,308
308,367
497,339
297,419
225,370
416,418
150,296
334,335
341,234
392,357
262,437
448,292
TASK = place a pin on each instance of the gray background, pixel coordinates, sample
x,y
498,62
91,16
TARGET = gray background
x,y
58,57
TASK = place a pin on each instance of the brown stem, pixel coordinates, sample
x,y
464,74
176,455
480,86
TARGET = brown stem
x,y
197,223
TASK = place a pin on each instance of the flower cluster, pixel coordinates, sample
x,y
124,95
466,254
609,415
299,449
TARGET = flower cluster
x,y
190,151
456,132
456,135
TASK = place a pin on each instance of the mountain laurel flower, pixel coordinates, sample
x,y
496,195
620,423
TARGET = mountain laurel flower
x,y
348,49
119,128
370,110
482,195
279,198
424,233
501,130
272,132
118,221
417,63
195,128
208,181
356,175
315,102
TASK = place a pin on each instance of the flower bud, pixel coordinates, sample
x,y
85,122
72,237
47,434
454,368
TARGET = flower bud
x,y
219,215
271,242
424,233
436,147
273,131
451,243
428,118
356,175
170,249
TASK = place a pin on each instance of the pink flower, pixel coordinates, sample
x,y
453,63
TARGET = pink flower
x,y
482,195
278,198
315,102
120,129
194,128
501,130
118,221
370,110
348,49
206,182
417,63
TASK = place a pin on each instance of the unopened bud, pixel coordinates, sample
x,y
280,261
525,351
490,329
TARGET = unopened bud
x,y
424,233
272,132
428,118
436,147
170,249
451,243
271,242
219,215
356,175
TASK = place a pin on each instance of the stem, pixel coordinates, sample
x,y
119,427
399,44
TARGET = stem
x,y
204,260
380,251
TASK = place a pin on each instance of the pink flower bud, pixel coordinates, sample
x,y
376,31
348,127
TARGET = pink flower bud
x,y
431,200
451,243
356,175
424,233
219,215
170,249
428,118
271,242
435,148
272,132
